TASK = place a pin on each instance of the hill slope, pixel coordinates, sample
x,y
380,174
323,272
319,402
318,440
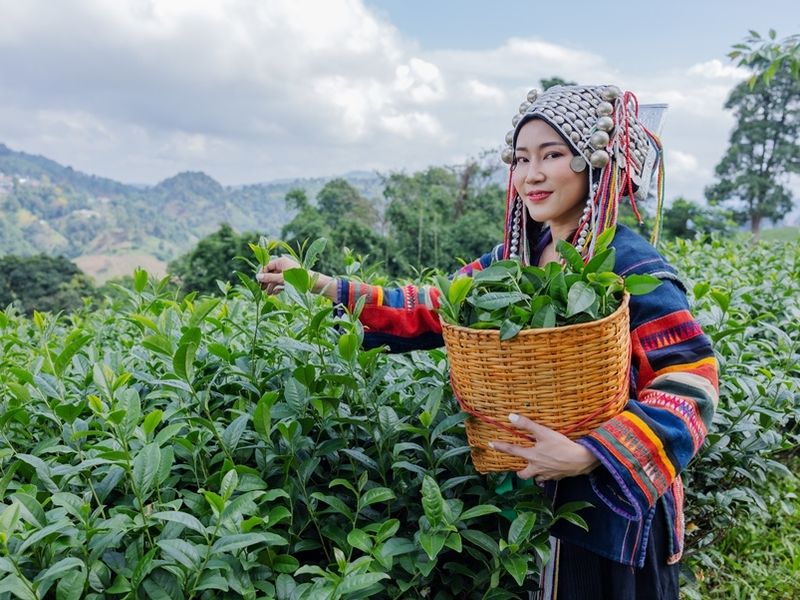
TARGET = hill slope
x,y
109,227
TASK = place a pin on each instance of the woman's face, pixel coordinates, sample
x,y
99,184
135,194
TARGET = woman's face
x,y
552,192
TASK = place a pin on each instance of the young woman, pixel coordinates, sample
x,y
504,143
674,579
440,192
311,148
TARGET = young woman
x,y
575,152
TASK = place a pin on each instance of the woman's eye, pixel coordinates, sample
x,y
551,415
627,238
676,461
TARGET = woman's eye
x,y
553,155
518,159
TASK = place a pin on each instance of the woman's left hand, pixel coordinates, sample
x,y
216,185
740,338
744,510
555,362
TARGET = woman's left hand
x,y
553,457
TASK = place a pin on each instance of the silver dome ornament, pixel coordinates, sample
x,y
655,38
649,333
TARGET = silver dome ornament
x,y
604,109
605,123
510,137
523,108
611,93
533,95
575,136
515,119
599,139
599,159
507,155
577,164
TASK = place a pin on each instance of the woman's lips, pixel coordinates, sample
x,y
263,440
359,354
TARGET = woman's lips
x,y
538,196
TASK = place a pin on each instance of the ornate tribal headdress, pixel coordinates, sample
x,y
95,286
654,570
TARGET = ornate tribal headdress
x,y
604,128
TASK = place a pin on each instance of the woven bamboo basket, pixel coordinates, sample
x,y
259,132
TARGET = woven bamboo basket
x,y
570,379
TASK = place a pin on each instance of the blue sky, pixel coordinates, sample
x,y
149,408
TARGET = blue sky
x,y
257,90
656,35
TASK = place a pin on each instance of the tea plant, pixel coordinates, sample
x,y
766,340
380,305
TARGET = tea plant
x,y
510,297
243,446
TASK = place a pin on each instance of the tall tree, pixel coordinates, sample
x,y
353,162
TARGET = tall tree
x,y
763,152
341,215
43,283
214,258
766,55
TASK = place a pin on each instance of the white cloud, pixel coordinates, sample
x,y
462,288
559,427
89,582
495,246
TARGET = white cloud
x,y
251,90
715,69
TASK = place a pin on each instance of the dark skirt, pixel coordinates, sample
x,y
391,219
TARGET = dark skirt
x,y
575,573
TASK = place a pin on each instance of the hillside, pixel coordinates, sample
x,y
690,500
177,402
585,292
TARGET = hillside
x,y
108,227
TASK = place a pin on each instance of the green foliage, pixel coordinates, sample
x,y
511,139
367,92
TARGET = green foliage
x,y
511,297
685,219
746,298
342,216
242,446
216,257
766,55
439,215
764,150
43,283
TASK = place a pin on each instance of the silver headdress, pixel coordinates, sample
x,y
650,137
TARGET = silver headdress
x,y
605,129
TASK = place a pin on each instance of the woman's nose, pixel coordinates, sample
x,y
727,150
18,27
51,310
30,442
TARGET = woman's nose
x,y
534,172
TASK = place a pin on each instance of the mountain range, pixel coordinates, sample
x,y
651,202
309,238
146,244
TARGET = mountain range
x,y
108,228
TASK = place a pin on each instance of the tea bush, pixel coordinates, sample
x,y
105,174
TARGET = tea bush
x,y
242,445
747,298
246,446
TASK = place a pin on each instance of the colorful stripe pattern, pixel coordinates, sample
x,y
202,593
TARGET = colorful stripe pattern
x,y
402,318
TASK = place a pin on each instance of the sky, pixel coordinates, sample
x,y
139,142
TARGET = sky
x,y
257,90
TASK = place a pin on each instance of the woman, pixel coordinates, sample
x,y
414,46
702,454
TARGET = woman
x,y
574,153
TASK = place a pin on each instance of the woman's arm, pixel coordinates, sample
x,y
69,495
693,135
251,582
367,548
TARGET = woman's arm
x,y
401,318
676,392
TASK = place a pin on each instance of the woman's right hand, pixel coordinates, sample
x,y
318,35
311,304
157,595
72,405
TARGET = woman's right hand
x,y
271,277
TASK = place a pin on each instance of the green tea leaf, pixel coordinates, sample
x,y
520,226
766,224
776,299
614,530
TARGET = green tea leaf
x,y
521,528
602,262
495,300
581,297
432,543
517,567
183,552
375,495
145,468
316,248
638,285
509,329
432,503
568,252
297,278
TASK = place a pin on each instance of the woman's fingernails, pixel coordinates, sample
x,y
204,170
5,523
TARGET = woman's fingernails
x,y
513,417
491,445
259,276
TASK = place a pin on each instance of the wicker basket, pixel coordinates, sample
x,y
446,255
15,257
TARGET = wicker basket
x,y
571,379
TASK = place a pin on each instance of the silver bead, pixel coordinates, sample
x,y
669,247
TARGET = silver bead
x,y
567,128
599,139
571,116
575,136
604,109
558,118
515,119
605,124
611,93
599,159
523,108
507,155
577,164
532,95
510,137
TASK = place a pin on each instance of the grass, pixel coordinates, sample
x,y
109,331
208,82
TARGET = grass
x,y
783,234
758,559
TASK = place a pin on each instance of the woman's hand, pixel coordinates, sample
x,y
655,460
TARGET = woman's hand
x,y
554,456
271,277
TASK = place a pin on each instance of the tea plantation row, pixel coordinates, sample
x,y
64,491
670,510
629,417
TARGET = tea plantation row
x,y
245,446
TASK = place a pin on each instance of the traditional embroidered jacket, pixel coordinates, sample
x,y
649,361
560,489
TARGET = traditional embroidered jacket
x,y
674,392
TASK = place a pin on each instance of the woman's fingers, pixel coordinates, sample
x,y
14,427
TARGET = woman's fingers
x,y
511,449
